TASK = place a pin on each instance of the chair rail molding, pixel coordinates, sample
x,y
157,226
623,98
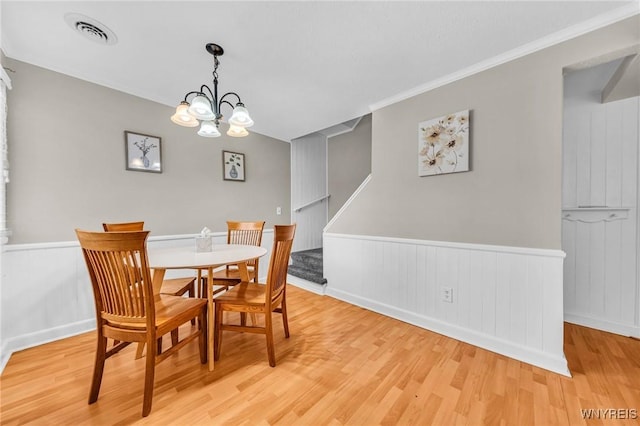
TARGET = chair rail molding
x,y
507,300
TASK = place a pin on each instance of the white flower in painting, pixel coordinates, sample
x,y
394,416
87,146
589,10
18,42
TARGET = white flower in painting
x,y
431,134
463,119
450,119
433,162
453,143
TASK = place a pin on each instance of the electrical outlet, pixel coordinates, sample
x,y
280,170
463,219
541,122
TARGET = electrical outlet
x,y
278,211
447,294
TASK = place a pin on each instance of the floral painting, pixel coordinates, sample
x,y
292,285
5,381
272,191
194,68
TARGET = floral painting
x,y
443,144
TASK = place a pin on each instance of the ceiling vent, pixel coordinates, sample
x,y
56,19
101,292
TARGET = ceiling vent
x,y
90,28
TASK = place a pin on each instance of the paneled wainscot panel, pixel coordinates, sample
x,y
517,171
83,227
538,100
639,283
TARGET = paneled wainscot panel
x,y
505,299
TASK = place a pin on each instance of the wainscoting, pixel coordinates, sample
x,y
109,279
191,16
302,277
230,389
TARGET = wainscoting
x,y
47,295
505,299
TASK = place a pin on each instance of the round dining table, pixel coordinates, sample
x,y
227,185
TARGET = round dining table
x,y
161,259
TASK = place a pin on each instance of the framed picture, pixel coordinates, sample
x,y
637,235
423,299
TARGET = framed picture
x,y
233,166
443,144
144,152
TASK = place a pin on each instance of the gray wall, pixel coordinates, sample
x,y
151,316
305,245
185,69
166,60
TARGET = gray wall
x,y
349,163
67,161
512,195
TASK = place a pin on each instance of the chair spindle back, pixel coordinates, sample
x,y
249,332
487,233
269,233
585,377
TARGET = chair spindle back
x,y
279,264
119,271
247,233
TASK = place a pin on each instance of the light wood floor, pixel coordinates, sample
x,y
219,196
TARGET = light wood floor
x,y
342,365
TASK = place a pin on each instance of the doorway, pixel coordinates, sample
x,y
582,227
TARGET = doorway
x,y
600,222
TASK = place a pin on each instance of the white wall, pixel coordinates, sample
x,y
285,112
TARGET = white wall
x,y
600,206
308,184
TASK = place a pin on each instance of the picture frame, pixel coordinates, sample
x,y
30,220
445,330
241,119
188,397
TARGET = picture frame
x,y
443,144
233,167
143,153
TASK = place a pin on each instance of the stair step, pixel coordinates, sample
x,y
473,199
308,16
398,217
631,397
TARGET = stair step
x,y
307,264
307,274
311,259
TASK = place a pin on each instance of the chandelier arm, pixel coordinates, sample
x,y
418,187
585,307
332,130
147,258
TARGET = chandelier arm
x,y
230,93
212,98
226,102
194,92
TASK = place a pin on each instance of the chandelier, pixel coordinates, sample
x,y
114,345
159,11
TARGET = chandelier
x,y
204,109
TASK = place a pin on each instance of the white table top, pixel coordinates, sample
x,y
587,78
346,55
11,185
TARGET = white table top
x,y
188,258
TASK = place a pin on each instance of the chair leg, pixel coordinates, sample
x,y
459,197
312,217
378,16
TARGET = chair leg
x,y
149,378
217,340
243,318
202,319
174,335
285,320
140,350
98,368
192,293
159,345
268,328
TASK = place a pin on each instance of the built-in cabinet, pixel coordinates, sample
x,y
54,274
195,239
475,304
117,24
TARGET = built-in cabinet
x,y
600,210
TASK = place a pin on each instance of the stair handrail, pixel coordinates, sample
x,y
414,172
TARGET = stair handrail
x,y
304,206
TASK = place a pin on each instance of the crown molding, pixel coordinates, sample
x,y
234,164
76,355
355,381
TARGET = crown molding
x,y
556,38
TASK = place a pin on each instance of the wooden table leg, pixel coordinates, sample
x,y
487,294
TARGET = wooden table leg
x,y
244,272
211,319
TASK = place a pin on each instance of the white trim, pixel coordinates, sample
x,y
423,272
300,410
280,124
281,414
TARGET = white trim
x,y
605,325
5,78
24,341
5,354
543,43
347,203
346,129
65,244
312,287
485,341
462,246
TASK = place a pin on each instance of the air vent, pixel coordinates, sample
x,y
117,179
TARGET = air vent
x,y
90,28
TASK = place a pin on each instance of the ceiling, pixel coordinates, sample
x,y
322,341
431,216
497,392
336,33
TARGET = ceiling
x,y
299,66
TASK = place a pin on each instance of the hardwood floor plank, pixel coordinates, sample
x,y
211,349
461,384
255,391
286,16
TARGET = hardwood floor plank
x,y
343,365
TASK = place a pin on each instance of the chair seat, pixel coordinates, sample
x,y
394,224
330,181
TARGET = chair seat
x,y
169,311
177,286
244,293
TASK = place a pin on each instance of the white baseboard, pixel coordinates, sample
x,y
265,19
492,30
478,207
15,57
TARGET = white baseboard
x,y
490,343
307,285
604,325
41,337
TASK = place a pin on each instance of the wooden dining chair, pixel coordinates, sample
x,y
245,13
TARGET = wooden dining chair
x,y
259,298
126,308
247,233
172,286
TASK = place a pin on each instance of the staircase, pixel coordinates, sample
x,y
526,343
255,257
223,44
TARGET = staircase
x,y
307,264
